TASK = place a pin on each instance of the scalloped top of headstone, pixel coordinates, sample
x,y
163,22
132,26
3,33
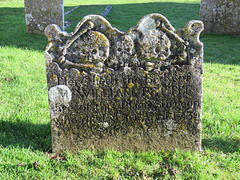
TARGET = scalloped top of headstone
x,y
153,43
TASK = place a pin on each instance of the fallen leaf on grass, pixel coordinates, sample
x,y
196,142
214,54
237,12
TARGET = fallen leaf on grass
x,y
36,164
58,157
21,164
8,79
47,154
163,173
171,169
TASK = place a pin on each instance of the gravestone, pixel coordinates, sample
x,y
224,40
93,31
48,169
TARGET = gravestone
x,y
221,16
39,14
135,90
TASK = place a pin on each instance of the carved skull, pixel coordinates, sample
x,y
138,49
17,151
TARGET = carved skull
x,y
154,45
91,48
121,50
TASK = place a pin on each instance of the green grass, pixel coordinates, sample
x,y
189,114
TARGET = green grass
x,y
25,135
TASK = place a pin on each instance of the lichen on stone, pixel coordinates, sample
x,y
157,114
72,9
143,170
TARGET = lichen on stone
x,y
134,90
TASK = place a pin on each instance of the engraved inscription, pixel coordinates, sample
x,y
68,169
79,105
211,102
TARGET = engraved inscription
x,y
135,99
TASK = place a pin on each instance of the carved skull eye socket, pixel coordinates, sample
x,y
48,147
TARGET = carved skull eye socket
x,y
166,50
94,51
119,49
157,50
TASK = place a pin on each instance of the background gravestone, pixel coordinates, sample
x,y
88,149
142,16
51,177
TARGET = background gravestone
x,y
134,90
221,16
40,13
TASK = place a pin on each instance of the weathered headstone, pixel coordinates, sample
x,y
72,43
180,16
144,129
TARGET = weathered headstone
x,y
134,90
40,13
221,16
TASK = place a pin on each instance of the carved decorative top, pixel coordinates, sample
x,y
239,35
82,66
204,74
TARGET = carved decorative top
x,y
95,45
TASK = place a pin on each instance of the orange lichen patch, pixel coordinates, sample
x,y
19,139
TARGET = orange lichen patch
x,y
130,85
89,65
53,76
105,44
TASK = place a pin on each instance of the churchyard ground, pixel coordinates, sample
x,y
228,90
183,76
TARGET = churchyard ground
x,y
25,135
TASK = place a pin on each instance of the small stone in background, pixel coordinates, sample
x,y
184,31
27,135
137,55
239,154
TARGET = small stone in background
x,y
40,13
221,16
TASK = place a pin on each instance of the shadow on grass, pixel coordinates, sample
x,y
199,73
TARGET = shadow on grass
x,y
224,145
25,135
13,31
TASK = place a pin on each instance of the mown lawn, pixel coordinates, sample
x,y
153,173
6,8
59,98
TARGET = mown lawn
x,y
25,135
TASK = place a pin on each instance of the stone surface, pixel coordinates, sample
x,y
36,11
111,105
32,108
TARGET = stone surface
x,y
221,16
39,14
135,90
